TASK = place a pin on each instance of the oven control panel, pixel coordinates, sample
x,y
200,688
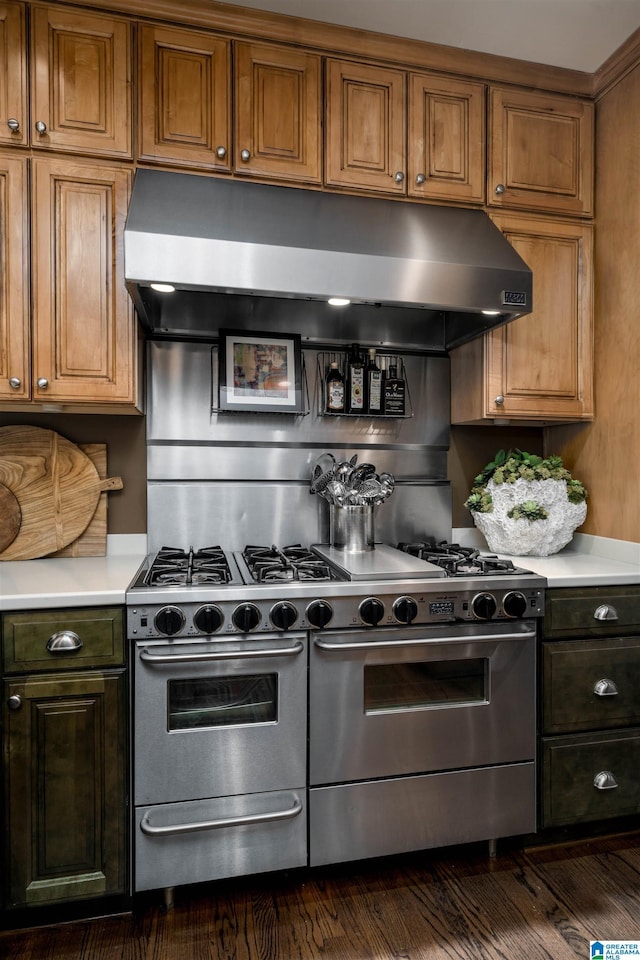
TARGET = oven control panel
x,y
197,619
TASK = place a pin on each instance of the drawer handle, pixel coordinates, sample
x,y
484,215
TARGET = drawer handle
x,y
605,780
255,818
64,642
606,611
605,688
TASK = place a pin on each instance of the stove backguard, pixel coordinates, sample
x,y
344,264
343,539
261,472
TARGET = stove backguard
x,y
238,478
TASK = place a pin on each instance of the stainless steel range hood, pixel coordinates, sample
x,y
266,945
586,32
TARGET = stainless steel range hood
x,y
209,237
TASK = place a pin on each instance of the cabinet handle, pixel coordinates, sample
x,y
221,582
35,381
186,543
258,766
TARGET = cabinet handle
x,y
13,124
15,383
399,176
41,126
14,702
605,780
64,642
499,400
245,155
605,688
500,188
606,611
421,178
42,383
221,153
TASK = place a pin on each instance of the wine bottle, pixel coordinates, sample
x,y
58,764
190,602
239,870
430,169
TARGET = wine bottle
x,y
334,390
373,384
355,381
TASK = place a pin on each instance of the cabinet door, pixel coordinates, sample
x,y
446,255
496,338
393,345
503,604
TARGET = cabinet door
x,y
15,379
541,149
80,82
185,97
365,127
84,346
14,122
539,367
278,109
65,793
446,139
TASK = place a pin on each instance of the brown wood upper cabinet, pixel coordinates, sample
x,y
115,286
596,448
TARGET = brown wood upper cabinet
x,y
78,346
539,367
277,105
446,139
365,144
80,80
540,152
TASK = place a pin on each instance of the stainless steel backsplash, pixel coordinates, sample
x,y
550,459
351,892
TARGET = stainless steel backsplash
x,y
238,478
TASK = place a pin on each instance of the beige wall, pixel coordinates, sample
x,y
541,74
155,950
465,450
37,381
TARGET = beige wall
x,y
605,454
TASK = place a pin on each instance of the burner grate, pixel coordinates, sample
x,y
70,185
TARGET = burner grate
x,y
458,561
176,567
294,562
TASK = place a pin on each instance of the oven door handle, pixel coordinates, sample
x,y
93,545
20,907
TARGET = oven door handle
x,y
252,818
162,658
419,642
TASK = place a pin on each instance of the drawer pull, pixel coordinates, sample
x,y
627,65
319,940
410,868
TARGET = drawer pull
x,y
606,611
64,642
254,818
605,780
605,688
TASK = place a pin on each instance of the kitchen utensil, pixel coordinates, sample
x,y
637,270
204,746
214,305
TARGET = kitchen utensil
x,y
56,485
10,517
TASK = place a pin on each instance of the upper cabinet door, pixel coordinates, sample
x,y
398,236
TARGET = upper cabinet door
x,y
446,139
80,82
540,152
15,376
14,122
185,97
278,110
365,127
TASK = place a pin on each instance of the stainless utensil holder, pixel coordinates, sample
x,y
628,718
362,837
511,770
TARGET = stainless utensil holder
x,y
352,528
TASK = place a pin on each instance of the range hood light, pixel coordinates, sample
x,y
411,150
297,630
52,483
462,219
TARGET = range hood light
x,y
491,313
338,301
163,287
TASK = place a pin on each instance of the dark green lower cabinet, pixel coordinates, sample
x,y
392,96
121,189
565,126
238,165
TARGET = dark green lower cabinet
x,y
65,760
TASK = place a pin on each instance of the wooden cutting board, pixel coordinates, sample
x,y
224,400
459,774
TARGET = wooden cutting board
x,y
10,516
57,487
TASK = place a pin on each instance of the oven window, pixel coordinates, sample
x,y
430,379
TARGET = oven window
x,y
406,686
222,701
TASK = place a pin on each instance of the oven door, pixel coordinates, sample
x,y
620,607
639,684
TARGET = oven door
x,y
219,717
387,703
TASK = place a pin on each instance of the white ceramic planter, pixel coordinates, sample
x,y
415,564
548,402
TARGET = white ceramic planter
x,y
537,538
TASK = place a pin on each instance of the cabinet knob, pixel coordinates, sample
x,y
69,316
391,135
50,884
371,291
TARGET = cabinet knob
x,y
221,152
399,176
41,126
66,641
606,611
245,155
499,400
15,383
14,702
500,188
605,780
13,124
605,688
421,178
42,383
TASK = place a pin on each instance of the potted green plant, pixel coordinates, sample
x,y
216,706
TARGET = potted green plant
x,y
527,505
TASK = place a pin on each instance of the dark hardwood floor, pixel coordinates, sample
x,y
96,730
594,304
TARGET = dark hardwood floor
x,y
541,903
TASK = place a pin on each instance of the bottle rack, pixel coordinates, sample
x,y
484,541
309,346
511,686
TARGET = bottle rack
x,y
384,360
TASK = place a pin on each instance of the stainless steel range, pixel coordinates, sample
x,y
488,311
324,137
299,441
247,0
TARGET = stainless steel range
x,y
419,658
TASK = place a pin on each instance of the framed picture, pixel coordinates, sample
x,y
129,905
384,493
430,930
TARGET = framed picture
x,y
259,372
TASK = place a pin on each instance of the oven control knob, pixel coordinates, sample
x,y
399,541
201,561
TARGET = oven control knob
x,y
514,604
319,613
283,615
405,609
484,606
169,621
246,617
371,611
208,618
